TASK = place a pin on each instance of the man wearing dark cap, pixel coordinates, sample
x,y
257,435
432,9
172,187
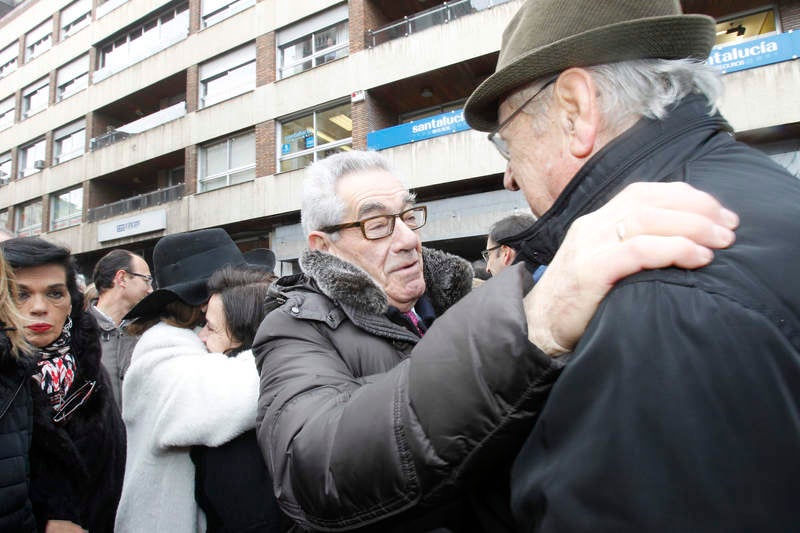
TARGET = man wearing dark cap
x,y
678,410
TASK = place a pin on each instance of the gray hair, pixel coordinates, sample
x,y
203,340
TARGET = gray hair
x,y
639,88
321,206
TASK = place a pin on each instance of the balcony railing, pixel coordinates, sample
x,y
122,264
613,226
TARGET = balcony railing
x,y
423,20
148,122
136,203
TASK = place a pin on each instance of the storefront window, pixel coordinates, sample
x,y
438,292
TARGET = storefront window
x,y
743,27
313,136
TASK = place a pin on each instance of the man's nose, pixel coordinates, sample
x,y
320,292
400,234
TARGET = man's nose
x,y
406,237
38,304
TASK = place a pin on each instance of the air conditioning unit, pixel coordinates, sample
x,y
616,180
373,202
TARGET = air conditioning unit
x,y
38,164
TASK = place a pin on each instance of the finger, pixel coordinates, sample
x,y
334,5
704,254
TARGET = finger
x,y
667,222
674,195
650,252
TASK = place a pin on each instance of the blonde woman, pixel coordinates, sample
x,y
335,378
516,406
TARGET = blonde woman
x,y
16,412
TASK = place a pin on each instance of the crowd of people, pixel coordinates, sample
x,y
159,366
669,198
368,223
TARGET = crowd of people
x,y
633,364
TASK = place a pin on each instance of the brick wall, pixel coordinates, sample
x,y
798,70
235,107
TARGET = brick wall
x,y
48,148
364,15
192,88
789,12
190,171
45,213
194,16
368,116
265,59
265,148
53,88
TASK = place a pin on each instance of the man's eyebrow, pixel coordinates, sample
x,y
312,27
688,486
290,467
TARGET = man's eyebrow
x,y
378,208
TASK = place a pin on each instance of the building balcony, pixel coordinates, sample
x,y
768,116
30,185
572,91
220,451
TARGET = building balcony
x,y
135,203
145,123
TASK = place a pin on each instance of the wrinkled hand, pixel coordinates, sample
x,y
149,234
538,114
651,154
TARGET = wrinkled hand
x,y
63,526
645,226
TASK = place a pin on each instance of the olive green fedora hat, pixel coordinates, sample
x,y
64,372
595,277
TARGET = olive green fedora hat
x,y
548,36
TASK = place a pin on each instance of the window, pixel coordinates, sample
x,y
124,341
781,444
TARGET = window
x,y
30,159
69,142
4,218
227,161
316,135
39,40
66,208
313,42
746,26
35,97
75,16
72,78
8,59
229,75
430,111
145,39
5,168
218,10
6,112
28,219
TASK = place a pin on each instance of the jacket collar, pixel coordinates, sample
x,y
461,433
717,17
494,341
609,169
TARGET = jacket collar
x,y
651,150
447,278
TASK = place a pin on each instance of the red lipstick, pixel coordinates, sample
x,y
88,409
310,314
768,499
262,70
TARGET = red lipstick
x,y
40,327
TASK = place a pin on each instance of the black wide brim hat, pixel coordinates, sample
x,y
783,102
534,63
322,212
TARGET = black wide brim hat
x,y
261,257
546,37
182,264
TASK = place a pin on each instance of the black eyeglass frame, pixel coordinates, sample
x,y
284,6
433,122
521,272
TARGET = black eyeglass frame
x,y
498,141
485,253
62,414
146,277
391,221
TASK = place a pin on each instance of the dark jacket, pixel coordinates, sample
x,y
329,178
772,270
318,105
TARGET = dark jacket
x,y
77,466
16,425
365,424
679,408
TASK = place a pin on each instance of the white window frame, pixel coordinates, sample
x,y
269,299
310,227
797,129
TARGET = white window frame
x,y
74,218
75,17
224,66
7,109
24,157
320,23
72,78
317,148
156,33
214,11
71,132
31,229
41,87
39,40
203,179
8,59
6,161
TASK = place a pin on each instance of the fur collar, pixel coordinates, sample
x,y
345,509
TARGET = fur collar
x,y
447,278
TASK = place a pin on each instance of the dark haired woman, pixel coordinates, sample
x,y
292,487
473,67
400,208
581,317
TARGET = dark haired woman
x,y
232,485
16,413
78,445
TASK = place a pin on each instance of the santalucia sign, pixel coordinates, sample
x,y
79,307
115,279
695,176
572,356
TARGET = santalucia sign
x,y
755,52
418,130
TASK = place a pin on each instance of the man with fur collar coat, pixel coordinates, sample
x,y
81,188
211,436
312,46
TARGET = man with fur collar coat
x,y
367,419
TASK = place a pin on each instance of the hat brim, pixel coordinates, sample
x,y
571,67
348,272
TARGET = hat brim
x,y
191,293
669,37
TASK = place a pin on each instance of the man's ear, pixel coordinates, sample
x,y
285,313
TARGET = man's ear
x,y
579,110
119,277
508,254
318,240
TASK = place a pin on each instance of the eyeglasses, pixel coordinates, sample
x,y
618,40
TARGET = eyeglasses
x,y
73,402
381,226
485,253
148,279
495,137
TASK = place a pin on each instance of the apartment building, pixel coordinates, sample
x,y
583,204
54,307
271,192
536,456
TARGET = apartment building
x,y
124,120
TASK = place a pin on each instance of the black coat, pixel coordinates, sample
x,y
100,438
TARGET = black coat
x,y
679,408
77,467
16,425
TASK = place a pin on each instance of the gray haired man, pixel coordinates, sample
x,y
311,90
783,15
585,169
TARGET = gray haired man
x,y
380,411
679,408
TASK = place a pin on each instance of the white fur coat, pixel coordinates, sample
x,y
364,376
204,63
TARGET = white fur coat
x,y
177,395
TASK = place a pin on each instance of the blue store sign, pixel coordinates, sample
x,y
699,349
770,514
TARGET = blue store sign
x,y
418,130
755,52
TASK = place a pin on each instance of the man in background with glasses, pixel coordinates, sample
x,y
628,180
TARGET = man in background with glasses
x,y
121,278
501,247
376,407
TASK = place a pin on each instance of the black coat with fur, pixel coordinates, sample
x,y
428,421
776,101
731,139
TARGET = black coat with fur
x,y
77,466
16,425
365,425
